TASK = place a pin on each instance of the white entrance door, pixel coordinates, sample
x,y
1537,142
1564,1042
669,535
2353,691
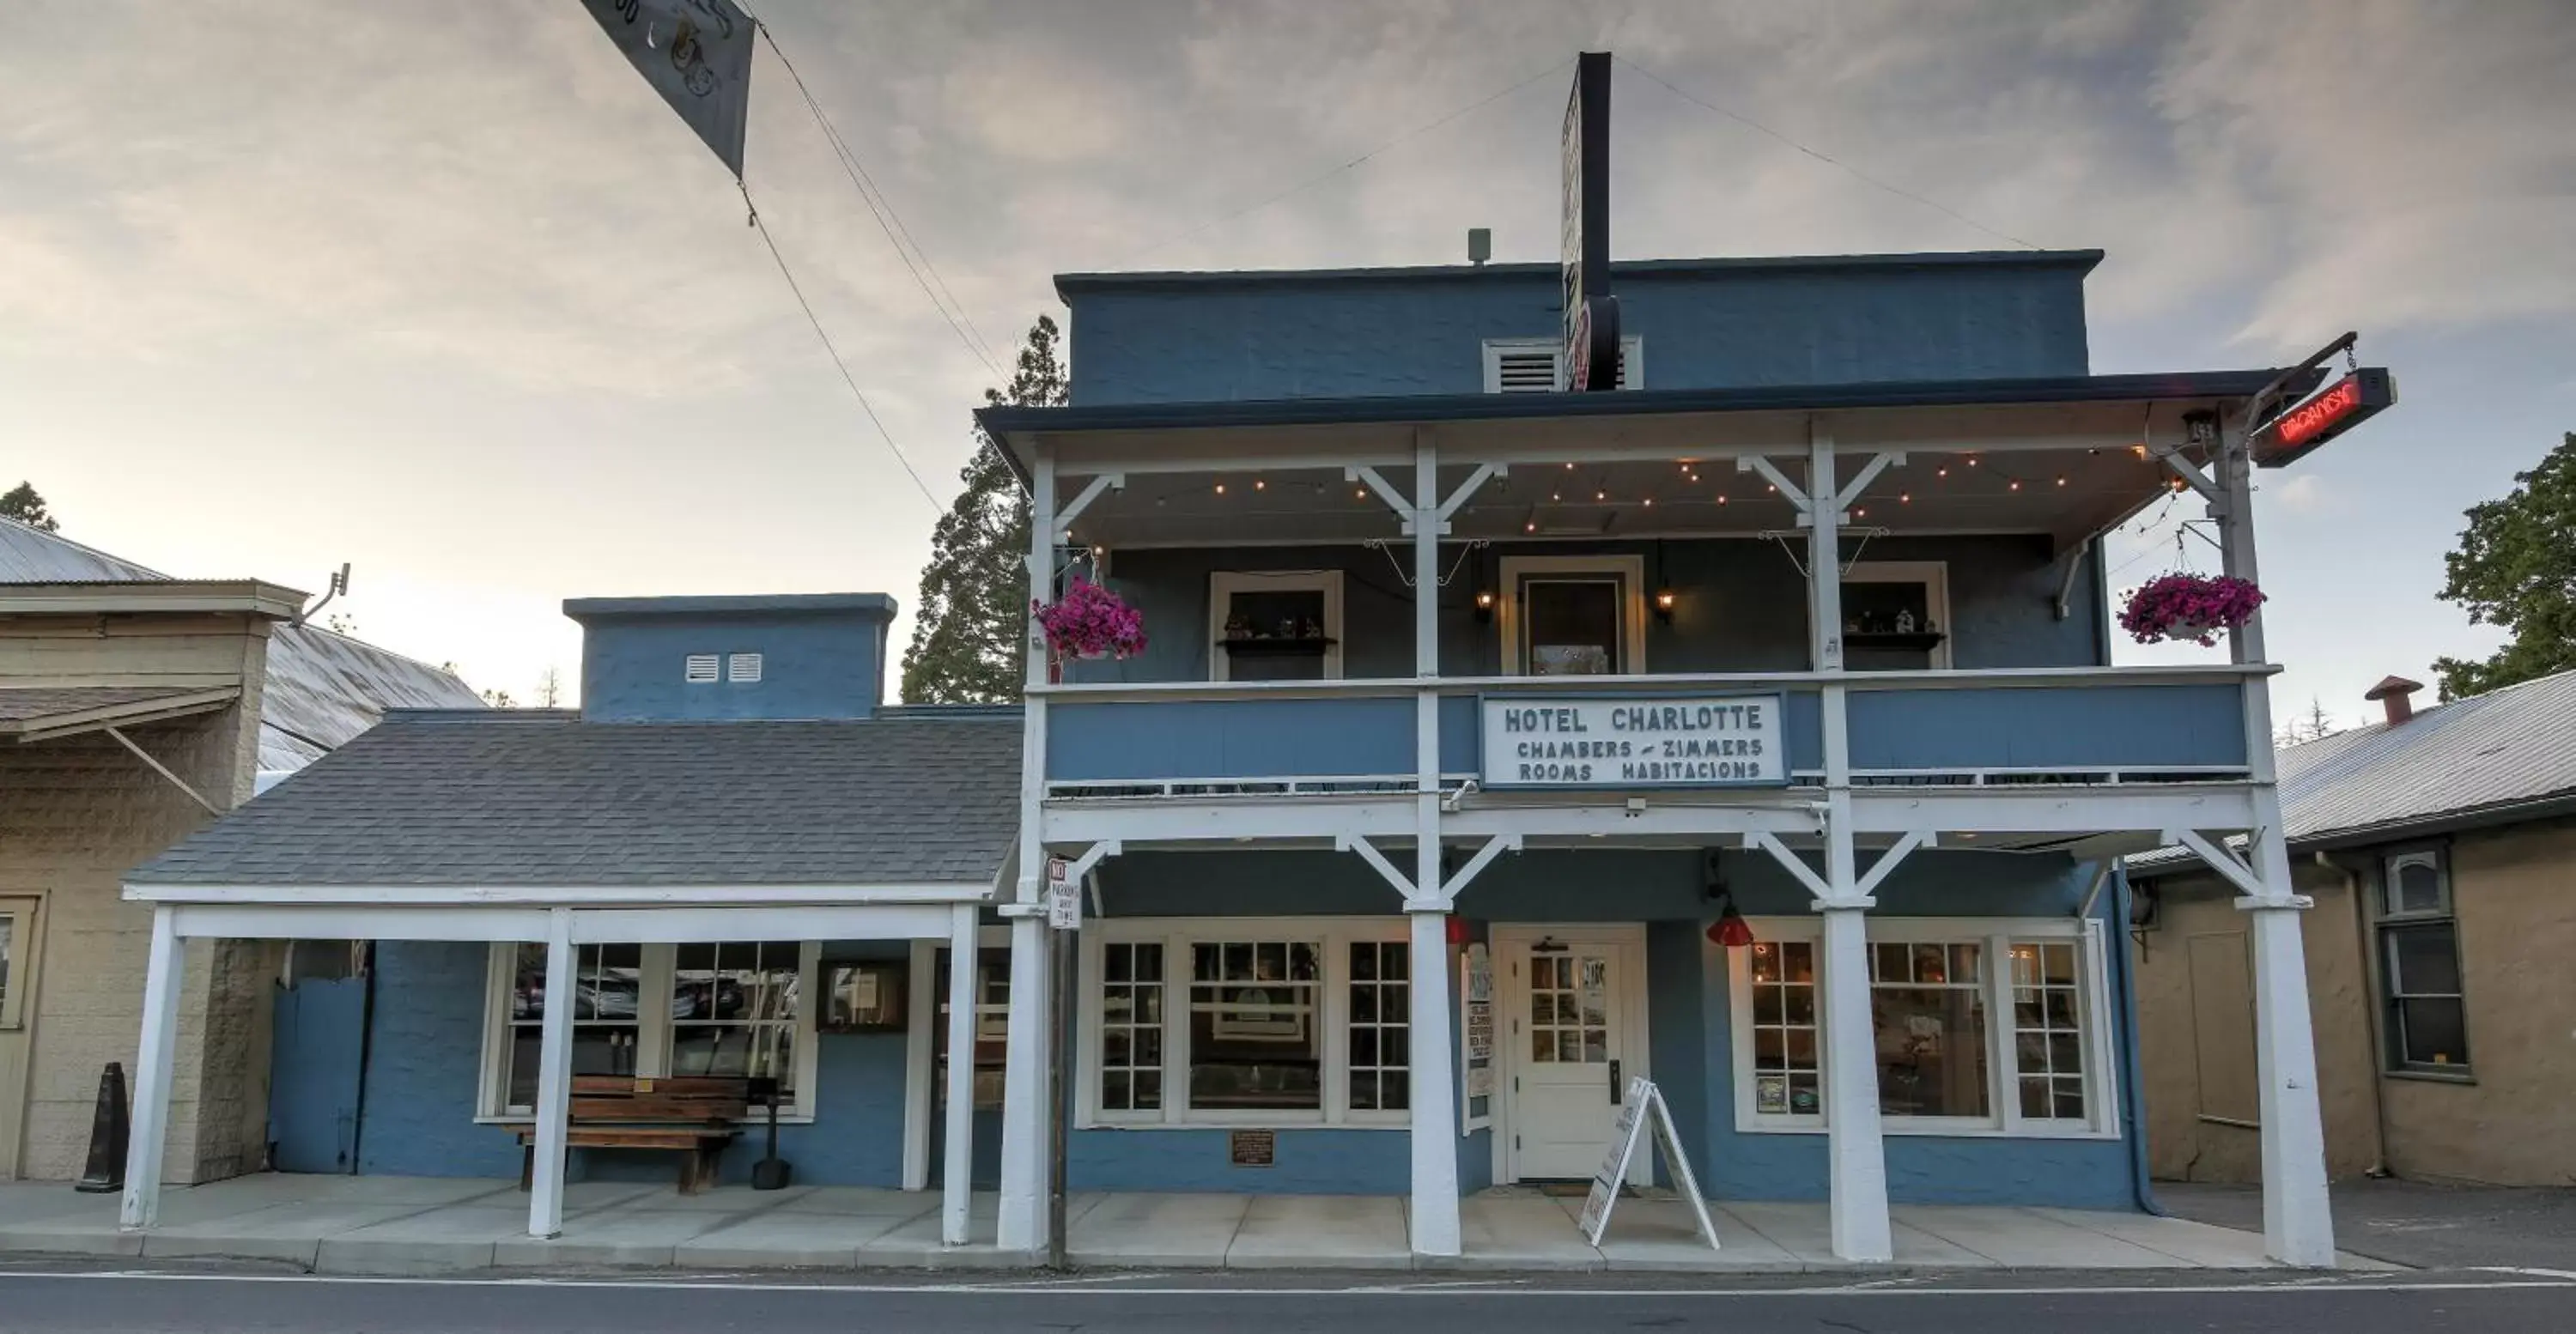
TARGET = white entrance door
x,y
17,1018
1576,1010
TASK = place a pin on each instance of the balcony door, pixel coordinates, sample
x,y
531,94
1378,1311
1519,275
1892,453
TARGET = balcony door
x,y
1573,616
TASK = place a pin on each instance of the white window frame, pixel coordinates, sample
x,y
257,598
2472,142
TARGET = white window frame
x,y
652,1030
1334,935
1632,615
1632,359
1224,584
1996,936
1934,576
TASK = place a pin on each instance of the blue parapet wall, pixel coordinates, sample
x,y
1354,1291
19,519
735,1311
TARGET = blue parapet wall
x,y
1179,338
820,656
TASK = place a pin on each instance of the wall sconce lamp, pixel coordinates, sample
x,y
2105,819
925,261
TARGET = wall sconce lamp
x,y
1484,604
1664,599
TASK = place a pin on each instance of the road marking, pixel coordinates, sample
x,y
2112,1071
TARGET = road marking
x,y
2533,1273
1063,1287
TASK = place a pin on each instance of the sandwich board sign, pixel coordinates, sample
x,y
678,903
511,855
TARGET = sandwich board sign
x,y
1645,1105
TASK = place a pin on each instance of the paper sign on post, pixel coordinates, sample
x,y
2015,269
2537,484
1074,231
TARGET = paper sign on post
x,y
1645,1105
1064,901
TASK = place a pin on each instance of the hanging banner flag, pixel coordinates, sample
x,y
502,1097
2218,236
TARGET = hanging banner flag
x,y
696,54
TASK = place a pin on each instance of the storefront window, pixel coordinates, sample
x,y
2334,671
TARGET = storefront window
x,y
1786,1077
1131,1027
1255,1043
992,1028
2048,1030
734,1010
1928,1012
1381,1012
607,1031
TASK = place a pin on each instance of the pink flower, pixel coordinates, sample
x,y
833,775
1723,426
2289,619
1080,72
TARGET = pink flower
x,y
1090,621
2188,606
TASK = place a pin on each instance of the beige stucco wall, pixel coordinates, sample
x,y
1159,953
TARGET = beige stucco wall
x,y
75,815
2514,893
2182,1143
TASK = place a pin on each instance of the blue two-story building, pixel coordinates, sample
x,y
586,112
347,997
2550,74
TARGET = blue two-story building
x,y
1749,728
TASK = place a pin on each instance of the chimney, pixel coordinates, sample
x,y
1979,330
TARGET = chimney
x,y
2391,692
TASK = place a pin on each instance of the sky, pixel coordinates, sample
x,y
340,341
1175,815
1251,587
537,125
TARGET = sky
x,y
446,293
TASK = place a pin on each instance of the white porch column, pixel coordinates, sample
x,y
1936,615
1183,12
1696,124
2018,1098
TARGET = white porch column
x,y
1022,1222
554,1079
1824,553
2298,1222
1434,1131
957,1173
150,1135
1856,1152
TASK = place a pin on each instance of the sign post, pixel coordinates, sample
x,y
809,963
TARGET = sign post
x,y
1591,313
1645,1106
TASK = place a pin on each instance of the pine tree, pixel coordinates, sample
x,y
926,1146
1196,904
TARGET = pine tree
x,y
970,631
2516,567
21,502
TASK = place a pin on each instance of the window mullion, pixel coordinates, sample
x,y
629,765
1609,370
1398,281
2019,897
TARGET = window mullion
x,y
653,1010
1332,1010
2003,1033
1180,980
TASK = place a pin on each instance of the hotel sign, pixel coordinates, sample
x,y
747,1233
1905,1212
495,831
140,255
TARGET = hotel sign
x,y
1583,220
1634,741
2345,404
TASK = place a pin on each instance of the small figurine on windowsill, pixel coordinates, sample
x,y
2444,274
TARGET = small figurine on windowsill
x,y
1238,626
1905,622
1310,628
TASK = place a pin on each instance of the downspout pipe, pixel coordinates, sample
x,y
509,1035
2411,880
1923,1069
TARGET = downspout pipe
x,y
2133,1076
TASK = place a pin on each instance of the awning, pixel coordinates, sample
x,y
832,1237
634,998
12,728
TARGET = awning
x,y
43,713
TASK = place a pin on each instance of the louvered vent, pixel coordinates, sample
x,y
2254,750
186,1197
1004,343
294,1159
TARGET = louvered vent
x,y
1535,365
1525,372
701,669
743,669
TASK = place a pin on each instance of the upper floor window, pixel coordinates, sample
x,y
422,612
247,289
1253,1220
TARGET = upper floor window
x,y
1896,615
1573,615
1537,365
1275,625
2419,953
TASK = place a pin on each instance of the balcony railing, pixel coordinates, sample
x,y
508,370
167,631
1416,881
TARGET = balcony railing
x,y
2083,725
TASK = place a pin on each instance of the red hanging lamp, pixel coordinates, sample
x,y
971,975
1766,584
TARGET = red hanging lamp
x,y
1730,929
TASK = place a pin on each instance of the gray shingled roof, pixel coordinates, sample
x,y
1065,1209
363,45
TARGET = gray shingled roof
x,y
535,798
2497,751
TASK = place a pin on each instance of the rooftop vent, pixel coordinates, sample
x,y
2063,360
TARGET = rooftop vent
x,y
2392,692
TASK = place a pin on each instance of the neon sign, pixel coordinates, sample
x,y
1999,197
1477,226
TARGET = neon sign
x,y
2346,403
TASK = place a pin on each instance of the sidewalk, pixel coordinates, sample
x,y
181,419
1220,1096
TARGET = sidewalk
x,y
414,1225
2415,1223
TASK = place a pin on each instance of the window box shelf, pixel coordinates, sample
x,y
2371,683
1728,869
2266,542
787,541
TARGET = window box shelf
x,y
1277,648
1916,641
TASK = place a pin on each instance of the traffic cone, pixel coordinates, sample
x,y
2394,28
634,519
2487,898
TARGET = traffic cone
x,y
108,1132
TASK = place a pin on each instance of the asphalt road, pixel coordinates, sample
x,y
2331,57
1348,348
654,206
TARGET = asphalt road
x,y
44,1302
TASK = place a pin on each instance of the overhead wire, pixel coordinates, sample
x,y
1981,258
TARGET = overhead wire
x,y
1749,123
1327,174
835,352
890,221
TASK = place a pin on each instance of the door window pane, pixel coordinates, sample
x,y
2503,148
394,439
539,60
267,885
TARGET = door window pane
x,y
1569,1021
1571,626
1928,1009
1255,1044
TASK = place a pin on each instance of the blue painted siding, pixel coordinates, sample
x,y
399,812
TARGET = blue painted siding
x,y
823,659
1705,324
2127,725
317,1040
1229,738
425,1065
1740,607
1310,1161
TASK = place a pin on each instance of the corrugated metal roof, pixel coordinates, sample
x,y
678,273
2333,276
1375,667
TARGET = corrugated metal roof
x,y
539,797
321,688
2504,748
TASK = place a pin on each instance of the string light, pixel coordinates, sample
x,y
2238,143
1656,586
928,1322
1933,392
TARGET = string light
x,y
1972,460
1650,502
2016,484
2061,479
1721,499
1260,485
1220,488
1941,472
1600,495
1529,528
1904,497
1556,495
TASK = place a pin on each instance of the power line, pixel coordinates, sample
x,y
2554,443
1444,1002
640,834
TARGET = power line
x,y
1320,177
838,364
889,221
1752,124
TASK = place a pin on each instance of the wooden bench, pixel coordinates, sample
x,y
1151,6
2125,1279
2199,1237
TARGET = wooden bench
x,y
695,1115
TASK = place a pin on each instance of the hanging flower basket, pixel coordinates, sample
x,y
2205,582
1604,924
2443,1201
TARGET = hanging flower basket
x,y
2194,607
1089,621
